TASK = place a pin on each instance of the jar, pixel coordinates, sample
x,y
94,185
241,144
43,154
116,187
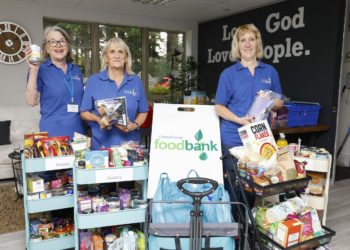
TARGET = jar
x,y
97,201
35,238
140,203
113,203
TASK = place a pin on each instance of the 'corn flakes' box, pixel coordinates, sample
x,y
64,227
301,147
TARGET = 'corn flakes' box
x,y
258,136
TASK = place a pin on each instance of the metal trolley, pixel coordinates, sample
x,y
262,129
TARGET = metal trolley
x,y
197,235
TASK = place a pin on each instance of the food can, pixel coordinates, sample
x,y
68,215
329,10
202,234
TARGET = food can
x,y
35,56
35,238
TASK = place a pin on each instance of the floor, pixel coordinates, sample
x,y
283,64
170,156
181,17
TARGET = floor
x,y
338,219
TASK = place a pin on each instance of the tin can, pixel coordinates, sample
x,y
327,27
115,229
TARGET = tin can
x,y
35,56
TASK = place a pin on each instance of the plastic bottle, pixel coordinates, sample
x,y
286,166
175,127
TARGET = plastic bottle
x,y
282,141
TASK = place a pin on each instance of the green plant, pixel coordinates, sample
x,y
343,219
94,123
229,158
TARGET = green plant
x,y
187,79
158,90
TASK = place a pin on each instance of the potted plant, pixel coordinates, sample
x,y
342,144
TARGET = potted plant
x,y
185,80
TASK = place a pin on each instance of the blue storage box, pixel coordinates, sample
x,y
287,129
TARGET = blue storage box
x,y
302,113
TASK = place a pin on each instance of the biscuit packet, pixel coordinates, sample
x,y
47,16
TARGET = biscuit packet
x,y
258,136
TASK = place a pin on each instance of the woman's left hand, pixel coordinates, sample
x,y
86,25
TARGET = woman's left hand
x,y
131,126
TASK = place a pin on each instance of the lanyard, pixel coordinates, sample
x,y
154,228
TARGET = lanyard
x,y
69,86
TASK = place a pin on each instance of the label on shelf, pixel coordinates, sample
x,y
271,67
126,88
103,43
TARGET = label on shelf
x,y
114,175
56,163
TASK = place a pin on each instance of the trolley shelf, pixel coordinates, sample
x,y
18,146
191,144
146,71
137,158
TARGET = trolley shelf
x,y
307,244
108,175
48,204
95,220
49,163
54,244
278,188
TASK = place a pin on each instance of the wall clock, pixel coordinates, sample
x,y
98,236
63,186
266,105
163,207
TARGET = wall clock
x,y
13,41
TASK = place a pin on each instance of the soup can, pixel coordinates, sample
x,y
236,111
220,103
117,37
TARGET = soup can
x,y
35,56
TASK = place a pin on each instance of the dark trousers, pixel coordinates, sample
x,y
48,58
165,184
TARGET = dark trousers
x,y
235,194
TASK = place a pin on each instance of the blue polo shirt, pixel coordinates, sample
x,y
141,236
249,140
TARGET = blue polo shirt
x,y
55,89
100,86
237,89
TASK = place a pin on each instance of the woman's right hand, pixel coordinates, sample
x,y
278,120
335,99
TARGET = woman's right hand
x,y
104,124
28,52
246,120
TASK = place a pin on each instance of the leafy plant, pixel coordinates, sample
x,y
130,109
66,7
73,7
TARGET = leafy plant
x,y
158,90
187,79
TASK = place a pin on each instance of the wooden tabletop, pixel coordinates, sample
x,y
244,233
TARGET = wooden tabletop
x,y
299,130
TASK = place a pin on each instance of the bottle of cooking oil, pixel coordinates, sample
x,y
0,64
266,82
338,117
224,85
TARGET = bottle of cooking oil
x,y
282,141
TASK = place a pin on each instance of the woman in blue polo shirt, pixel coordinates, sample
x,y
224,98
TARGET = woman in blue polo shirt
x,y
57,84
239,84
116,80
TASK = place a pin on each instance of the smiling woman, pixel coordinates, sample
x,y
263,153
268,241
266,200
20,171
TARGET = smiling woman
x,y
57,84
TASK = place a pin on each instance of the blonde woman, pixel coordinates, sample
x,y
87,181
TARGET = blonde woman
x,y
239,84
115,80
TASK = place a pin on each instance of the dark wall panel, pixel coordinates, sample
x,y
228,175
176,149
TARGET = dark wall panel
x,y
302,39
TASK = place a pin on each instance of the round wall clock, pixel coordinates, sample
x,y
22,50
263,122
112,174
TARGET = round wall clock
x,y
13,41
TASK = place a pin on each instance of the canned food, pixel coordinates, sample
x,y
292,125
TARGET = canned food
x,y
35,56
35,238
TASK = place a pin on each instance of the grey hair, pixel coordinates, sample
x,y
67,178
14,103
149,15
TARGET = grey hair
x,y
64,34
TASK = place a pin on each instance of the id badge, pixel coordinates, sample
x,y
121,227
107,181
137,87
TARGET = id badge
x,y
72,108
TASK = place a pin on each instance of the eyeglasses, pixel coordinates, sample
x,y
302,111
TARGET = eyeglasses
x,y
54,43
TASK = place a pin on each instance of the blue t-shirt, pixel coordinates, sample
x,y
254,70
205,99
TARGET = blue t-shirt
x,y
100,86
56,89
237,89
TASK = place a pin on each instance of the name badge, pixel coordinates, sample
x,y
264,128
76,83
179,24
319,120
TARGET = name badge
x,y
72,108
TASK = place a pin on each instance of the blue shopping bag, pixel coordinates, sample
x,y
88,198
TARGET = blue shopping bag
x,y
171,212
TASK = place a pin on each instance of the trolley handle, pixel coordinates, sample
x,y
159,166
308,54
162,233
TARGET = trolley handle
x,y
197,180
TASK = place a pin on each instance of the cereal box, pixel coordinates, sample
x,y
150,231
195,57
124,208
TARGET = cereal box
x,y
258,136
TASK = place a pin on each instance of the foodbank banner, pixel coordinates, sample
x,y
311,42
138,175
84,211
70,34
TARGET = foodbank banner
x,y
184,137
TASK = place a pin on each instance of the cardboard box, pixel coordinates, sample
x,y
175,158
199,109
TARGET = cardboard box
x,y
258,136
96,159
35,184
288,232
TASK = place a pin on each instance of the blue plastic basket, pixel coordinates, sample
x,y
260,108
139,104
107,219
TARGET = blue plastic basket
x,y
302,113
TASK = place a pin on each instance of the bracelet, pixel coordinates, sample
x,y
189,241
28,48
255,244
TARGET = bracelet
x,y
138,126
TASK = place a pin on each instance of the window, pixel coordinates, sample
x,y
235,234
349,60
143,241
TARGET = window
x,y
81,44
160,51
164,62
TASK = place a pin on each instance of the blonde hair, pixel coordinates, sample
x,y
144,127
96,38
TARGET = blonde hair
x,y
117,42
241,30
64,34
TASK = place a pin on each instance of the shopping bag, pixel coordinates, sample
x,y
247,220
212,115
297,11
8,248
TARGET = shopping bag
x,y
184,137
179,212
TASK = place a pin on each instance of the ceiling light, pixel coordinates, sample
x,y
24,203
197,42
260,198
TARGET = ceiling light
x,y
155,2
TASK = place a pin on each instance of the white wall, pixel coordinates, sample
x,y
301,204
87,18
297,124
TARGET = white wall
x,y
30,16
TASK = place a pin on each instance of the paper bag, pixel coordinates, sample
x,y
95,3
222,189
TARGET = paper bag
x,y
184,137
